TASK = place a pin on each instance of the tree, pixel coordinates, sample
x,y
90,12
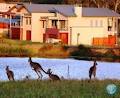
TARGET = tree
x,y
116,4
113,4
101,3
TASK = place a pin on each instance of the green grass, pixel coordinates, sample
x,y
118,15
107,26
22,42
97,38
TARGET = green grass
x,y
59,89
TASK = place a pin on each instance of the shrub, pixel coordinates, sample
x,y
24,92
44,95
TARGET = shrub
x,y
82,51
110,53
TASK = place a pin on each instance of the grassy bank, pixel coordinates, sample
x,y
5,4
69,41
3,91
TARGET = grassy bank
x,y
62,89
15,48
111,54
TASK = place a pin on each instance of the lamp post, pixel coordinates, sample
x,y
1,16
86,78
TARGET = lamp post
x,y
78,34
70,35
10,28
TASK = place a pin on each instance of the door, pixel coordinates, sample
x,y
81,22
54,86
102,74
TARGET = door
x,y
28,35
64,37
15,33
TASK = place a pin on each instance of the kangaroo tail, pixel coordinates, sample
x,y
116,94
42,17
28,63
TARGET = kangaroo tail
x,y
13,79
90,74
44,70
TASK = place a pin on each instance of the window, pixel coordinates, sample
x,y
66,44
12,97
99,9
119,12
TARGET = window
x,y
101,23
116,24
96,23
43,22
30,21
91,23
54,23
26,21
62,24
110,23
109,28
18,23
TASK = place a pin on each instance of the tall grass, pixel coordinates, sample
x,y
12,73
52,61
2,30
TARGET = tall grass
x,y
26,48
58,89
18,48
53,51
14,50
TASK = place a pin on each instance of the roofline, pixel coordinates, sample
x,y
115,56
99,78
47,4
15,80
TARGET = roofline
x,y
100,16
51,13
23,6
18,9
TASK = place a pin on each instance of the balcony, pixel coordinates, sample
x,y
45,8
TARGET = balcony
x,y
51,33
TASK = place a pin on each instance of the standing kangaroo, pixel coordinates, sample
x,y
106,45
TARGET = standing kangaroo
x,y
10,74
92,70
52,76
36,67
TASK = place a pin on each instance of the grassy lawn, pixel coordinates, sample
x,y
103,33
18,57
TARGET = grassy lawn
x,y
58,89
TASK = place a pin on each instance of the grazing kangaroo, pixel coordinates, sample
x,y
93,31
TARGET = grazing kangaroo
x,y
52,76
92,70
10,74
36,67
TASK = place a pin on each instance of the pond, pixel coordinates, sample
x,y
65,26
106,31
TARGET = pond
x,y
78,69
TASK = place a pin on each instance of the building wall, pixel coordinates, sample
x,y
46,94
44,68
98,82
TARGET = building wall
x,y
5,7
37,30
25,27
86,29
81,30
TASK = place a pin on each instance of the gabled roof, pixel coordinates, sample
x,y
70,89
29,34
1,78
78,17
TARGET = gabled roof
x,y
18,7
99,12
68,10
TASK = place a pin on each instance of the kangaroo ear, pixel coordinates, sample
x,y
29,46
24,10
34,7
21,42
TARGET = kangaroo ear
x,y
29,58
50,72
96,64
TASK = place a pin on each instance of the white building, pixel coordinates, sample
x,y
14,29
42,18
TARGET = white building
x,y
74,25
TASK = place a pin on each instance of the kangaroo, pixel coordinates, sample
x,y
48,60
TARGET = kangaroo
x,y
10,74
36,67
92,70
52,76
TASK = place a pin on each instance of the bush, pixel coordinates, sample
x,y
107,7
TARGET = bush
x,y
65,48
82,51
110,53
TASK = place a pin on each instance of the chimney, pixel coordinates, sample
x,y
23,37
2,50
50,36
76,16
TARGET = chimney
x,y
78,10
30,2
